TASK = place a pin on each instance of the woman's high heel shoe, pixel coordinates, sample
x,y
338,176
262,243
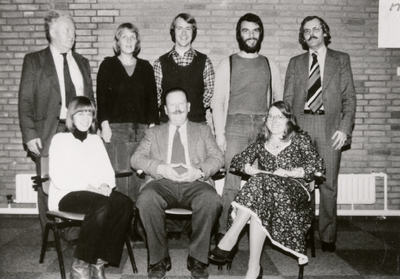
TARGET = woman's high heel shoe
x,y
230,257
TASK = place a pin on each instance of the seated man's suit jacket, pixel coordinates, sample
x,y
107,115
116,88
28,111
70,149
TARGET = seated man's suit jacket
x,y
203,151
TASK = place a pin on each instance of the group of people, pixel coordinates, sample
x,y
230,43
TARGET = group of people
x,y
241,117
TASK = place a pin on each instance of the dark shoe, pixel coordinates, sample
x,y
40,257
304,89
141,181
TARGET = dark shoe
x,y
174,235
219,237
158,270
197,269
328,246
51,246
97,270
79,270
230,257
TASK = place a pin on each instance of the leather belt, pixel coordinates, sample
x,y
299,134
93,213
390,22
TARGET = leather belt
x,y
318,112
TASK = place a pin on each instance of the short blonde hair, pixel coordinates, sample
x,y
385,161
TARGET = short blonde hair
x,y
132,28
78,104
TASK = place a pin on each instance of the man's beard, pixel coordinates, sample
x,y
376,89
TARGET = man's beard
x,y
248,49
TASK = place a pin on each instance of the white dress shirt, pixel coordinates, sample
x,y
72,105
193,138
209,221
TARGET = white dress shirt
x,y
75,73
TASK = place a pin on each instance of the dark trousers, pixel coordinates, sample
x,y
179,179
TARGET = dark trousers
x,y
315,126
105,225
200,197
124,141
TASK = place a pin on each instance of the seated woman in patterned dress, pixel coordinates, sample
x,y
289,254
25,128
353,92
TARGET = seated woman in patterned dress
x,y
276,199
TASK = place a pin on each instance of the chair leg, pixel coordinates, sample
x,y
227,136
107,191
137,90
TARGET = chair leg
x,y
59,250
130,252
301,271
44,242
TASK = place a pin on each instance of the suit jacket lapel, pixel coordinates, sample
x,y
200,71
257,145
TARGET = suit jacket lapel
x,y
304,73
192,141
163,137
49,68
331,65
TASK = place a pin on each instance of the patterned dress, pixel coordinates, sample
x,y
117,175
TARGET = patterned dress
x,y
281,204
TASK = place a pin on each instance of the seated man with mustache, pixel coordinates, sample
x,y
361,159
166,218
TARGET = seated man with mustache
x,y
179,157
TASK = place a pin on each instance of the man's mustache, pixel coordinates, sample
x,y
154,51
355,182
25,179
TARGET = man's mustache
x,y
312,37
252,39
178,111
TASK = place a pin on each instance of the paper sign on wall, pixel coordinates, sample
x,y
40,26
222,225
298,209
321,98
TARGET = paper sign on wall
x,y
389,24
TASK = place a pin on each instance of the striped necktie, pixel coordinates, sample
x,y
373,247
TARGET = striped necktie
x,y
314,97
178,152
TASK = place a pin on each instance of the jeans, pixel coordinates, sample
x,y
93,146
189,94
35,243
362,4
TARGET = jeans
x,y
124,141
240,131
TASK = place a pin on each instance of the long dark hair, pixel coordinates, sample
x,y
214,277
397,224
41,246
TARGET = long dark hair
x,y
291,125
250,18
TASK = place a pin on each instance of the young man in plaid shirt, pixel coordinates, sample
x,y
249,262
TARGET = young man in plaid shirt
x,y
186,68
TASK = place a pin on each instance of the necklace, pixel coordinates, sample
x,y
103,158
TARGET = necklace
x,y
275,146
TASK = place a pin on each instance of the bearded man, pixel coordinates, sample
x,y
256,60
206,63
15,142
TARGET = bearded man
x,y
246,83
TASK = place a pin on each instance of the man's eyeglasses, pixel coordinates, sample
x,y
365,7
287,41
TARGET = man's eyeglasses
x,y
314,30
275,117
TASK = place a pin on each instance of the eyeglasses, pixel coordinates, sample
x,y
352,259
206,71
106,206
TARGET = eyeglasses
x,y
275,117
314,30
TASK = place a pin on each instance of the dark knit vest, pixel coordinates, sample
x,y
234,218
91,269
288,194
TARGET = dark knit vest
x,y
190,79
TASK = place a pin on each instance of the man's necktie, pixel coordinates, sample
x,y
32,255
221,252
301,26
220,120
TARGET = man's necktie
x,y
314,97
69,85
178,152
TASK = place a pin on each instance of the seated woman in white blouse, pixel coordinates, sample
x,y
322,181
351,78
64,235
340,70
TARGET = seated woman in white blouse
x,y
82,181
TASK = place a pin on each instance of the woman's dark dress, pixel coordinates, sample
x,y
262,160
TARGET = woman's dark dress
x,y
281,203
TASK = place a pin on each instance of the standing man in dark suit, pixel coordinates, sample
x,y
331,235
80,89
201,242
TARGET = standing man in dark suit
x,y
50,79
180,157
319,86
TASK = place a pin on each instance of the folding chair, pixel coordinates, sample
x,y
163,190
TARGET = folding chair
x,y
63,219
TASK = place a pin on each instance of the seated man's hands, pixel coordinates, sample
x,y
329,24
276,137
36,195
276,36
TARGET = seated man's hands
x,y
168,172
191,175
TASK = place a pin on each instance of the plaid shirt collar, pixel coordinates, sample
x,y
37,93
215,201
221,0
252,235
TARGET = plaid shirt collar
x,y
191,52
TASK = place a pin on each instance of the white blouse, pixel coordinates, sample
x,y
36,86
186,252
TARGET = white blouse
x,y
73,165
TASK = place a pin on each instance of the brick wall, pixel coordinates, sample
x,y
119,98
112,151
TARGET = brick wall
x,y
354,29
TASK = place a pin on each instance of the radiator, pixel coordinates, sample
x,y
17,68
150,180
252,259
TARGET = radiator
x,y
360,189
24,193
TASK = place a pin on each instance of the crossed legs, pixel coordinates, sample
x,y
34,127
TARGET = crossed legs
x,y
257,238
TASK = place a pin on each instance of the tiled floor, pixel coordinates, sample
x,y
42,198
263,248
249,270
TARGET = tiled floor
x,y
366,248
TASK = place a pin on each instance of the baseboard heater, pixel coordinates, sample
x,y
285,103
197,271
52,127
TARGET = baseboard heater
x,y
357,196
24,194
